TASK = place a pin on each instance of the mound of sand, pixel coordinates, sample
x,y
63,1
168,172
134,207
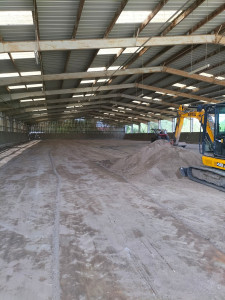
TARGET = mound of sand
x,y
159,161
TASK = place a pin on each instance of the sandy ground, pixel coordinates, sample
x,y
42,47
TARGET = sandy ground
x,y
72,229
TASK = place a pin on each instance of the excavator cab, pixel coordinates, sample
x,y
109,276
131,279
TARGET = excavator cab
x,y
215,116
220,132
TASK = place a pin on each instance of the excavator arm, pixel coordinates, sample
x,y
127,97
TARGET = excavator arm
x,y
199,115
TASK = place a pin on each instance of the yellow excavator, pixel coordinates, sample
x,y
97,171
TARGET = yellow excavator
x,y
211,144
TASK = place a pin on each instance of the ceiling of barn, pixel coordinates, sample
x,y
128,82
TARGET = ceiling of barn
x,y
122,61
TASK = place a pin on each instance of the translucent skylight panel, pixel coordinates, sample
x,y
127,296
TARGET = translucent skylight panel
x,y
87,81
161,93
29,100
113,68
96,69
76,96
26,100
34,85
206,74
136,101
39,99
16,18
2,75
39,109
103,80
180,85
30,73
190,87
108,51
132,16
132,50
88,95
147,97
164,15
14,87
22,55
4,56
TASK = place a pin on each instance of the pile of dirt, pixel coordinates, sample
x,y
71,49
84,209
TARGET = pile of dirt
x,y
159,161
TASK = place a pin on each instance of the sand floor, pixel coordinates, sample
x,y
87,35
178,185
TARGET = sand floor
x,y
72,229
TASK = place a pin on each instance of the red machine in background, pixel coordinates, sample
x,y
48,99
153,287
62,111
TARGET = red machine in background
x,y
160,134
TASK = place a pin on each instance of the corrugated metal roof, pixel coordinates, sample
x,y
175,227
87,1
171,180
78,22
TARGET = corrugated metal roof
x,y
95,18
27,65
15,5
17,33
57,19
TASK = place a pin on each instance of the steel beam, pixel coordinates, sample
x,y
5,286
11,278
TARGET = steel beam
x,y
18,96
83,75
99,74
84,101
64,45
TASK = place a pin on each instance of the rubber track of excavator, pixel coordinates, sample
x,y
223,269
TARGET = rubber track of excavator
x,y
188,172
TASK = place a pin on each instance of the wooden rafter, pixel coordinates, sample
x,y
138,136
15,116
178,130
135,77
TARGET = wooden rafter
x,y
36,22
208,18
177,93
115,18
79,13
182,16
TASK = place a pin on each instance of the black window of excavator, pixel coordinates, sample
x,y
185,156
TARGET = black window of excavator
x,y
205,141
